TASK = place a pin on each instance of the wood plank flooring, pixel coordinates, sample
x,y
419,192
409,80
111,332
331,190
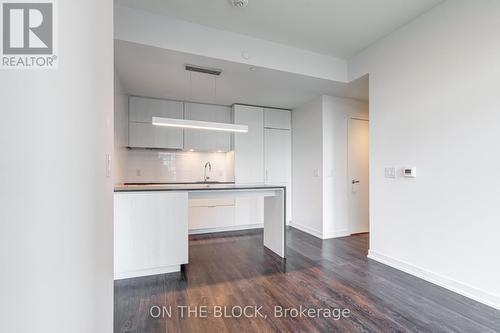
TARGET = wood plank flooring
x,y
232,269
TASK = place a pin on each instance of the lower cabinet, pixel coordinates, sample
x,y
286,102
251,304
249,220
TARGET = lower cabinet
x,y
213,215
249,211
150,233
209,214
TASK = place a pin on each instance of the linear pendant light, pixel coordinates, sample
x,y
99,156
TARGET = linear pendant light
x,y
203,125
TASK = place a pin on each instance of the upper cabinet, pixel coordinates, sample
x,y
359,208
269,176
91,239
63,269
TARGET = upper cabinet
x,y
142,109
249,147
142,134
277,118
207,140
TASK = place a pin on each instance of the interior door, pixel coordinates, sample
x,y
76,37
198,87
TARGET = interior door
x,y
358,175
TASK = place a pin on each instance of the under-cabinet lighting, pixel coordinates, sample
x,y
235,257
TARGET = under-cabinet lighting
x,y
203,125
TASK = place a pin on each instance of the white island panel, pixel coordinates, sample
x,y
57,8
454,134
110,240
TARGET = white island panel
x,y
151,232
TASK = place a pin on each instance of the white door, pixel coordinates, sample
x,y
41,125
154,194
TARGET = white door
x,y
358,175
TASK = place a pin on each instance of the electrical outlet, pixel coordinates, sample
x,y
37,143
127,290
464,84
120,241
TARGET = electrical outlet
x,y
138,172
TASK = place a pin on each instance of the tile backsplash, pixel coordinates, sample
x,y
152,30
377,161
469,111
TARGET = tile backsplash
x,y
171,166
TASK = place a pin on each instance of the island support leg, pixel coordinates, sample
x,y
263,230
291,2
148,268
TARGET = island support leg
x,y
275,223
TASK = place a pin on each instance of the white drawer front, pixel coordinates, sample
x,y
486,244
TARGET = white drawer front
x,y
211,217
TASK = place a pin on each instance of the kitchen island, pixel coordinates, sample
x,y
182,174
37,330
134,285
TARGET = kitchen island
x,y
151,223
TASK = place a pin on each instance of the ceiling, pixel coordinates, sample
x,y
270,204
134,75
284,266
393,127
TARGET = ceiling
x,y
340,28
155,72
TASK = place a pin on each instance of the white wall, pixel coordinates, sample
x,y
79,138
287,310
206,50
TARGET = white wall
x,y
336,114
120,144
307,163
155,30
434,104
56,237
319,163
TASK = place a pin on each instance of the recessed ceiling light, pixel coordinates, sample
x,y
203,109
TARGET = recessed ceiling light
x,y
252,68
239,3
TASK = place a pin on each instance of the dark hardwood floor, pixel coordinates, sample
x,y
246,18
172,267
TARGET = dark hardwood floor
x,y
232,269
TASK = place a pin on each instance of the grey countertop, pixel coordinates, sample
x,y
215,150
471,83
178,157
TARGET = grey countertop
x,y
192,187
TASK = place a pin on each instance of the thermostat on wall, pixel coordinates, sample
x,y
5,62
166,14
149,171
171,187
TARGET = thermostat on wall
x,y
410,172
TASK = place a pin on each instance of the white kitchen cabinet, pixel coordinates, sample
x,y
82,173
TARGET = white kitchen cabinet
x,y
278,162
210,218
142,134
249,147
206,140
278,156
142,109
210,214
249,211
150,233
249,162
277,118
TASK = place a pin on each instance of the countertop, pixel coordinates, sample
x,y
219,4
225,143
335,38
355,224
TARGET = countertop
x,y
193,187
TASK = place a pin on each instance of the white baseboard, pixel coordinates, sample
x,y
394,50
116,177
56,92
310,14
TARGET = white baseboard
x,y
316,233
307,230
222,229
146,272
336,234
440,280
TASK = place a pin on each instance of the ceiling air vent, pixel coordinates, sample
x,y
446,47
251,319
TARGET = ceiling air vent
x,y
205,70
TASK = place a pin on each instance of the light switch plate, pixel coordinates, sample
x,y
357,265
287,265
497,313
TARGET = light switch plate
x,y
316,172
108,165
390,172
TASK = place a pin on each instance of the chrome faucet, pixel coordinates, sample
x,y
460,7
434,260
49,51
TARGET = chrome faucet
x,y
206,178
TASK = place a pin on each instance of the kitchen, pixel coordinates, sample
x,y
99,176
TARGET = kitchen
x,y
215,139
227,176
151,156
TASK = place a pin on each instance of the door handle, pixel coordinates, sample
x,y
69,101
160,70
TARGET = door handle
x,y
355,181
